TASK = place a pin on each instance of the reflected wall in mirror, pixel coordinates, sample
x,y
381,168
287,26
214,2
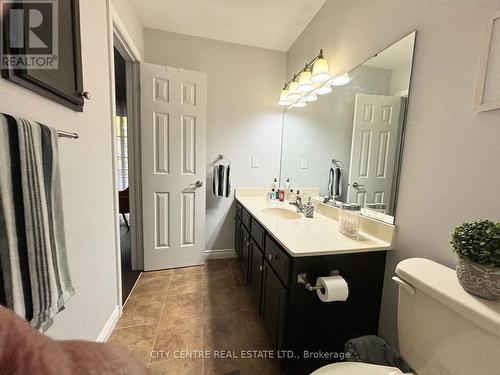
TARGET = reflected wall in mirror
x,y
347,145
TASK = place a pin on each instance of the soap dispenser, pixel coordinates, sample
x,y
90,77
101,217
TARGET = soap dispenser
x,y
275,185
308,209
287,185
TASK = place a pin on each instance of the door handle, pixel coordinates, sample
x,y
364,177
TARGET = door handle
x,y
198,183
355,185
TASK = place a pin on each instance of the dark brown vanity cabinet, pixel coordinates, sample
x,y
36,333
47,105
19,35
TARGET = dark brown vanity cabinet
x,y
294,318
256,269
273,308
245,251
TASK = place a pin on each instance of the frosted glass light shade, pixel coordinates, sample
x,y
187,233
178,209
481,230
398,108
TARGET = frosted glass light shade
x,y
341,80
299,105
320,71
293,93
310,98
284,100
305,83
325,89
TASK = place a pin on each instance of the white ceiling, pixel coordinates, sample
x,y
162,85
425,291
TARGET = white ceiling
x,y
273,24
400,53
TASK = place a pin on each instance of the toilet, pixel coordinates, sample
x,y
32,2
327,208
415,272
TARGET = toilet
x,y
442,329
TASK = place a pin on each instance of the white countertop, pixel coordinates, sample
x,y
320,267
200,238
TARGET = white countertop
x,y
308,236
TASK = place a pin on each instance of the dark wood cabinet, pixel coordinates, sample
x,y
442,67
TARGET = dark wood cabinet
x,y
273,309
237,236
256,270
294,318
245,252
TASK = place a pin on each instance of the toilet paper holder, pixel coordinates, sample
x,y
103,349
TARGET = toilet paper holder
x,y
302,279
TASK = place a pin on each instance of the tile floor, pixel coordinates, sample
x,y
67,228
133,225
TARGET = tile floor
x,y
194,309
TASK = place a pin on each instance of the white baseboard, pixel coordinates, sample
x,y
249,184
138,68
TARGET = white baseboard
x,y
220,254
109,326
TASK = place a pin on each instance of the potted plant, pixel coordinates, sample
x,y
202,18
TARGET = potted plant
x,y
477,245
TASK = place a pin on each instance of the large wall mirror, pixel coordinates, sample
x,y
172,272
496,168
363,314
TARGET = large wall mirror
x,y
346,146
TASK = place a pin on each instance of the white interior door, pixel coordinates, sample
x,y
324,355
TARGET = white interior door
x,y
173,138
374,147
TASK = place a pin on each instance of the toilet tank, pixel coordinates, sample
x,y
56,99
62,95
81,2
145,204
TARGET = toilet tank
x,y
443,329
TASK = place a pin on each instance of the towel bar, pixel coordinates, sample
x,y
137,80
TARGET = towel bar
x,y
63,134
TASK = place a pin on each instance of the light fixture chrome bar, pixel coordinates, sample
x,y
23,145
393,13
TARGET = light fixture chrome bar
x,y
308,65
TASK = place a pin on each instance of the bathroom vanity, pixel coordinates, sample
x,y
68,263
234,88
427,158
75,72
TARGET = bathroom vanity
x,y
275,246
341,142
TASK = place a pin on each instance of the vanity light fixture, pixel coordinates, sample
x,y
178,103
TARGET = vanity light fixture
x,y
314,79
293,92
340,80
284,100
320,71
305,83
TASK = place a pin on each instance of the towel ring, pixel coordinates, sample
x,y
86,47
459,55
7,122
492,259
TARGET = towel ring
x,y
222,157
338,163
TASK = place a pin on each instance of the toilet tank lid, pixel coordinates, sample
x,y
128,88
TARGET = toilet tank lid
x,y
441,283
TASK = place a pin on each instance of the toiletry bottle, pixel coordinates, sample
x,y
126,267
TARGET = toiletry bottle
x,y
281,195
275,185
273,194
287,185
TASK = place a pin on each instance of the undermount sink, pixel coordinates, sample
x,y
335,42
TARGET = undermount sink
x,y
282,213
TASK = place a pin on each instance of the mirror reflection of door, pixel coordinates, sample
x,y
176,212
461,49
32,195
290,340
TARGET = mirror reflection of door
x,y
374,145
360,125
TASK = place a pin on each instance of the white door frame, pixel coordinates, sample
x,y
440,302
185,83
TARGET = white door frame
x,y
118,32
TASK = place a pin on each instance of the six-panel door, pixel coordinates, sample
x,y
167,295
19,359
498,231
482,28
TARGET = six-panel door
x,y
173,140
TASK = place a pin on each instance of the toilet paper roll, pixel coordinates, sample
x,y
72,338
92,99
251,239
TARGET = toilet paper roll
x,y
333,288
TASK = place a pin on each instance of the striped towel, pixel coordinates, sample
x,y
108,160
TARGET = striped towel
x,y
34,278
222,180
335,182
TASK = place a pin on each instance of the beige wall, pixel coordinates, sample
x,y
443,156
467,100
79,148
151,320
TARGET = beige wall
x,y
243,116
86,180
450,165
130,17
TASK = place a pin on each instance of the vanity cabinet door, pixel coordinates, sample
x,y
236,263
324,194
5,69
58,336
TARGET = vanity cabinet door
x,y
256,269
274,297
245,252
237,236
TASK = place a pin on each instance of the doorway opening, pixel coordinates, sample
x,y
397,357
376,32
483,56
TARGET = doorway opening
x,y
125,183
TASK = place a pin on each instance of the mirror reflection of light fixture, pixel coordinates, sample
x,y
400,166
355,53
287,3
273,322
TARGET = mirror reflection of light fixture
x,y
311,97
325,89
305,83
340,80
299,104
320,71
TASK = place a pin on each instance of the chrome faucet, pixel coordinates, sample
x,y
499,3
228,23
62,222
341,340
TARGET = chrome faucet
x,y
298,203
306,209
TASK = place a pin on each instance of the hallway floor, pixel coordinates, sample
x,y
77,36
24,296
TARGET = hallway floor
x,y
187,311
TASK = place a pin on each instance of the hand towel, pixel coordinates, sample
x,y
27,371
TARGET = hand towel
x,y
34,268
335,182
222,180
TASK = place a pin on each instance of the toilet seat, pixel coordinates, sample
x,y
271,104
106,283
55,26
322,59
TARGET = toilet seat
x,y
356,368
